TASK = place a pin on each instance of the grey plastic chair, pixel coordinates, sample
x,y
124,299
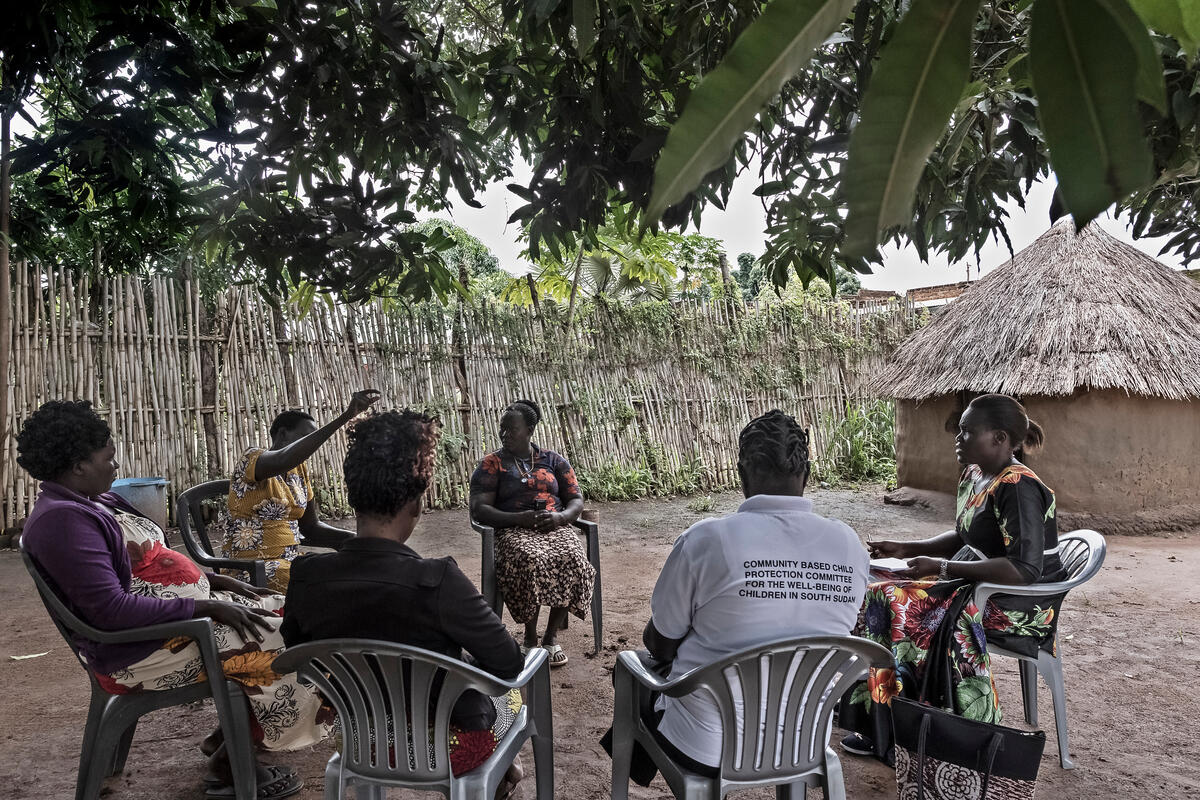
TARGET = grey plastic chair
x,y
189,515
490,588
1082,553
790,687
383,692
112,718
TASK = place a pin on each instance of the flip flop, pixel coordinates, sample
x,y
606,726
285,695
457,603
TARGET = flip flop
x,y
507,786
506,789
284,783
557,657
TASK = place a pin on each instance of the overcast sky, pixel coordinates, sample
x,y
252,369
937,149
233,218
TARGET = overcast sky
x,y
741,226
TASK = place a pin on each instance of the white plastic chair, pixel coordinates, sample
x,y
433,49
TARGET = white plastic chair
x,y
1082,553
790,689
384,693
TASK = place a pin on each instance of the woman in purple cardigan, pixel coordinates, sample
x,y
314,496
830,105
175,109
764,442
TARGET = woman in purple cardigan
x,y
110,564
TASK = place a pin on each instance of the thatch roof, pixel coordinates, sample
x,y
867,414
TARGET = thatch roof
x,y
1070,311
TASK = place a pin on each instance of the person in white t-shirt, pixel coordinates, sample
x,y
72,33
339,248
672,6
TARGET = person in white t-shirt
x,y
772,570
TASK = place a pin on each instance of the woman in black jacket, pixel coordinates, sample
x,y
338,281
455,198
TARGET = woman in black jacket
x,y
377,587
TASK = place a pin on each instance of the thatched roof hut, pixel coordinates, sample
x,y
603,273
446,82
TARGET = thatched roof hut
x,y
1102,344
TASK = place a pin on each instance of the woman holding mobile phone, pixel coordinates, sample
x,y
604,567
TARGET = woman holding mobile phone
x,y
530,495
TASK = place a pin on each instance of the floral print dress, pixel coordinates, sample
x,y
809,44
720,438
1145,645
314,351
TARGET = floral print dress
x,y
264,516
535,568
286,714
1012,515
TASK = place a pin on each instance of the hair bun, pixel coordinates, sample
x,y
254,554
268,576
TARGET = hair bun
x,y
537,410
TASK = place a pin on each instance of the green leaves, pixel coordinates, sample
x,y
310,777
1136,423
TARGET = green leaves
x,y
1178,18
913,91
584,19
1150,86
768,53
1085,72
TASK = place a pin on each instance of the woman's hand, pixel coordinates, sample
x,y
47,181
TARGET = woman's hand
x,y
247,622
921,567
361,400
224,583
525,519
885,548
546,521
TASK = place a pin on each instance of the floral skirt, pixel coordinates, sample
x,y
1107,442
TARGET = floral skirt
x,y
286,715
903,616
537,569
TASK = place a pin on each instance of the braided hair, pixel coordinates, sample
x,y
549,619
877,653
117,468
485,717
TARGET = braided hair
x,y
774,445
530,412
390,460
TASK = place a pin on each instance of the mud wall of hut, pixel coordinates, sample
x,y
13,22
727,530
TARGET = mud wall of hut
x,y
1114,461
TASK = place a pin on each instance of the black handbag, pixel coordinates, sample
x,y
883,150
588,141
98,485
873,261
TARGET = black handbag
x,y
943,756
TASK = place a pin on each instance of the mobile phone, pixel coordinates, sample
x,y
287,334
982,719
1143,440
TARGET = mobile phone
x,y
539,504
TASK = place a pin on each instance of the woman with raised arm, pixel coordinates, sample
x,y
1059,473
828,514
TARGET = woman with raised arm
x,y
1005,533
271,503
111,566
530,495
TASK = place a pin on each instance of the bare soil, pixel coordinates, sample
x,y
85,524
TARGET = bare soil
x,y
1131,641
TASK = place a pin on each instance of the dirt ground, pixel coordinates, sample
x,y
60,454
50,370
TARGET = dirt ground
x,y
1131,640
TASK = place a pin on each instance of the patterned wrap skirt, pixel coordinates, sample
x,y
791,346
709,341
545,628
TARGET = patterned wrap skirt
x,y
903,615
286,715
537,569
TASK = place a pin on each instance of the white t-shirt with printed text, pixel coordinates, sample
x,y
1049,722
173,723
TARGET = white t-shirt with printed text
x,y
772,570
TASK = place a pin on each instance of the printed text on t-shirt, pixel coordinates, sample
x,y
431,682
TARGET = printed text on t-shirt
x,y
787,579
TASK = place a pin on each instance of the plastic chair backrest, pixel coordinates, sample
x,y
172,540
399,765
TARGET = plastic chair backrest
x,y
64,619
382,693
190,514
789,690
1082,553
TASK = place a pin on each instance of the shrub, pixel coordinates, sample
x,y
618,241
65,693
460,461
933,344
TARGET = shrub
x,y
860,447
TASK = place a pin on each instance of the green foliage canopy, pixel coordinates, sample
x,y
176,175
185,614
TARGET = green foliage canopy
x,y
293,143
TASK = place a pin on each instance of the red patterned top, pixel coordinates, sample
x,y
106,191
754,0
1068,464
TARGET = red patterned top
x,y
518,484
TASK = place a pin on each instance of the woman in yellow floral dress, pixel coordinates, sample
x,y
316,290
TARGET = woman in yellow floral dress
x,y
1005,533
271,504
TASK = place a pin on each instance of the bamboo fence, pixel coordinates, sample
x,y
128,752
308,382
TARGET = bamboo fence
x,y
657,386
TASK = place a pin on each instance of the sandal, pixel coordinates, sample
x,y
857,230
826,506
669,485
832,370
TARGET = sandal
x,y
557,657
284,783
509,783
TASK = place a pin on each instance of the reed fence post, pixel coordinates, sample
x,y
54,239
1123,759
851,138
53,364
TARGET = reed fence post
x,y
6,303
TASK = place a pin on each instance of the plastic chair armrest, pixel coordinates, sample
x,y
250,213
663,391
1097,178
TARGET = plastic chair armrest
x,y
493,685
985,591
534,660
629,660
587,526
192,628
256,567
